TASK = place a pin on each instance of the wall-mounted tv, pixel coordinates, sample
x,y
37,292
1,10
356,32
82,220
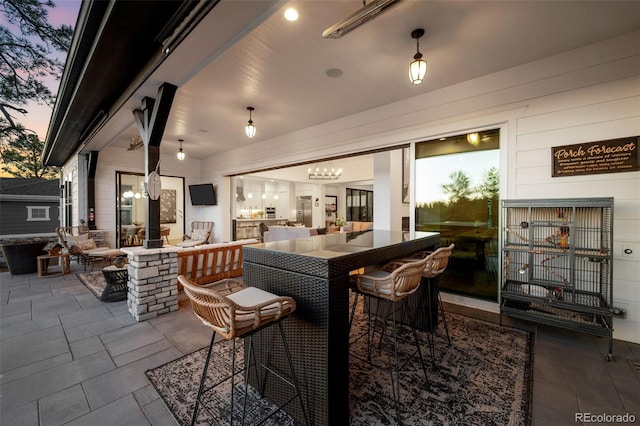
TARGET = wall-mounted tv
x,y
203,195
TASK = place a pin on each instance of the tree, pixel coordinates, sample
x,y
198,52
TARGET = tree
x,y
27,60
490,186
459,188
22,158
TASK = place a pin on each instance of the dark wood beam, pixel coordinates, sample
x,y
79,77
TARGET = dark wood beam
x,y
151,119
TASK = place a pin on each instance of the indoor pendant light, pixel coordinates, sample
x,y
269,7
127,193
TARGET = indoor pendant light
x,y
181,154
417,68
250,129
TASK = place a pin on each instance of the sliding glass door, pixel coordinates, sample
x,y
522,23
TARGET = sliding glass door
x,y
131,209
457,194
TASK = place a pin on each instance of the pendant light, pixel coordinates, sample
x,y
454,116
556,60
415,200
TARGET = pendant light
x,y
250,129
180,154
417,68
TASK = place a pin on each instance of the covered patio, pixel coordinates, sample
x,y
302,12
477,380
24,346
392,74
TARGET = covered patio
x,y
68,358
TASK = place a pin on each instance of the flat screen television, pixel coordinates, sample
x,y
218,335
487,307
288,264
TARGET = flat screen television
x,y
203,195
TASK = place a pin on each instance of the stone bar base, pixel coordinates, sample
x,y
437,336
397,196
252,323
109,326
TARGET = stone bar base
x,y
152,282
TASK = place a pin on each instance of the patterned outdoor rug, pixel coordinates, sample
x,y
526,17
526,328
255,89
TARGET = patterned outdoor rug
x,y
94,281
483,378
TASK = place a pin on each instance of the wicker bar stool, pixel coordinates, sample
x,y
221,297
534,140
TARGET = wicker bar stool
x,y
387,288
235,311
438,262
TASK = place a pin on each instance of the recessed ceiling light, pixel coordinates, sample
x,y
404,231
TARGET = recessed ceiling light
x,y
334,72
291,14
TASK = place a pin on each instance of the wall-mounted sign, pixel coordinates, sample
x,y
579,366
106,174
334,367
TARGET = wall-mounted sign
x,y
589,158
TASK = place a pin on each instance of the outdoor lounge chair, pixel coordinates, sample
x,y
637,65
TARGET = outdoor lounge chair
x,y
77,242
200,234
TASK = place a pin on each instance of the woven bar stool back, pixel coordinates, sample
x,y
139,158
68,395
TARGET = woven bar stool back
x,y
438,262
389,287
235,311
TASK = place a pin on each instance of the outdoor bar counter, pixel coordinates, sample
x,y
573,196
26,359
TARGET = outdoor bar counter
x,y
315,272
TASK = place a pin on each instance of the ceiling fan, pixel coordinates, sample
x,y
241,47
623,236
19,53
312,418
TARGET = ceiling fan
x,y
353,21
135,143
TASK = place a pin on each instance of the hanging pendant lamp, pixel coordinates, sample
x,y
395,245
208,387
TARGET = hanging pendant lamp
x,y
181,155
417,68
250,129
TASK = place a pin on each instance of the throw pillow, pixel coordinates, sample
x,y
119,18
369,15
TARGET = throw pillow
x,y
198,235
86,245
73,240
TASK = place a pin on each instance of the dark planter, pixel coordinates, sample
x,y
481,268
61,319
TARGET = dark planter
x,y
22,258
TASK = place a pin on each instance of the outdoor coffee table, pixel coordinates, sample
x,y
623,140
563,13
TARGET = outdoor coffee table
x,y
116,289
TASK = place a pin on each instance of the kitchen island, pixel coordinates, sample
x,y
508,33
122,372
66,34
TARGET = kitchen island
x,y
250,227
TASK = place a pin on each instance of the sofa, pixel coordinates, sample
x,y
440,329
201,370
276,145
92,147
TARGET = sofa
x,y
208,263
282,233
353,226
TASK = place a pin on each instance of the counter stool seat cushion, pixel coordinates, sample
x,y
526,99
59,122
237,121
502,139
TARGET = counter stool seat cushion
x,y
253,297
236,310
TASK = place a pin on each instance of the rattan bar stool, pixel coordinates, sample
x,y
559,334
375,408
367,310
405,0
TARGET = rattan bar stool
x,y
387,288
235,311
438,262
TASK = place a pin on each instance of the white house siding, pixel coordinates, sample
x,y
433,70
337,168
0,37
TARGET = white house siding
x,y
587,94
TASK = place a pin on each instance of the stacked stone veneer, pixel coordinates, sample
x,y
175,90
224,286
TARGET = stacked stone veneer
x,y
153,288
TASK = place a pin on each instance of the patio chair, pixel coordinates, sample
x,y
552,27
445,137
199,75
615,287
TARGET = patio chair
x,y
76,241
201,233
165,231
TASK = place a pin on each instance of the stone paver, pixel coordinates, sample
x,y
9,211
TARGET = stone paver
x,y
69,359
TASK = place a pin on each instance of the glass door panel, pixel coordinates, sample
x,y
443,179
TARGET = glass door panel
x,y
131,209
457,194
131,206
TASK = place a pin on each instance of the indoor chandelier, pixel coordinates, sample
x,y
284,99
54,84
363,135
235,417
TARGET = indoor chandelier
x,y
328,172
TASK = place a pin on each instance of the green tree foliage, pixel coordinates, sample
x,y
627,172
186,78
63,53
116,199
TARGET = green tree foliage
x,y
27,59
459,188
490,186
21,158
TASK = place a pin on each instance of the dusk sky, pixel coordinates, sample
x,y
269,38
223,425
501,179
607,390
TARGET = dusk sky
x,y
37,119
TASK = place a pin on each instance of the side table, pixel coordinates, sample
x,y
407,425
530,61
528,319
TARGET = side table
x,y
116,288
63,261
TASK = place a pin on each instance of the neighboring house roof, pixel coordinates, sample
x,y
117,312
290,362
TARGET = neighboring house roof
x,y
29,186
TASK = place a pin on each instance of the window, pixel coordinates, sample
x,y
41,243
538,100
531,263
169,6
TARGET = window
x,y
359,205
38,213
68,203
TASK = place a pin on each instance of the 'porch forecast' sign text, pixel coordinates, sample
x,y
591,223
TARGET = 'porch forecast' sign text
x,y
610,156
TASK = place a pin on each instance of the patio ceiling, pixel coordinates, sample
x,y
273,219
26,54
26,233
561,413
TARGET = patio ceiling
x,y
244,53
